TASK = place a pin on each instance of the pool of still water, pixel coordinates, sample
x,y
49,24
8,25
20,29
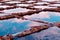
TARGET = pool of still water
x,y
12,26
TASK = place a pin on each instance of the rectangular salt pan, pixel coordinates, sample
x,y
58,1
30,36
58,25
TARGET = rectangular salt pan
x,y
13,2
43,7
30,1
13,26
16,10
57,5
50,0
3,14
42,3
23,5
4,6
45,16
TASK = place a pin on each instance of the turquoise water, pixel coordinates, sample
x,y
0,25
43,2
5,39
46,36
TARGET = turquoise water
x,y
54,17
46,16
52,33
9,27
12,26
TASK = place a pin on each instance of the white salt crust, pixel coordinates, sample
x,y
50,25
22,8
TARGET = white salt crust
x,y
43,7
55,5
17,10
23,5
4,6
41,3
30,1
50,0
12,2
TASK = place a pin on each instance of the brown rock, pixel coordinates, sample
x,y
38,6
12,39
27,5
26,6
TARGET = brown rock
x,y
1,38
57,24
8,37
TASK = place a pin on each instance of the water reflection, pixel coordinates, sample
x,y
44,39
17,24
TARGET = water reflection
x,y
45,16
12,26
52,33
9,27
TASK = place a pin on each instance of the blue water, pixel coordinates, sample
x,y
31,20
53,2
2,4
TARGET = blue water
x,y
53,18
46,16
11,26
52,33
